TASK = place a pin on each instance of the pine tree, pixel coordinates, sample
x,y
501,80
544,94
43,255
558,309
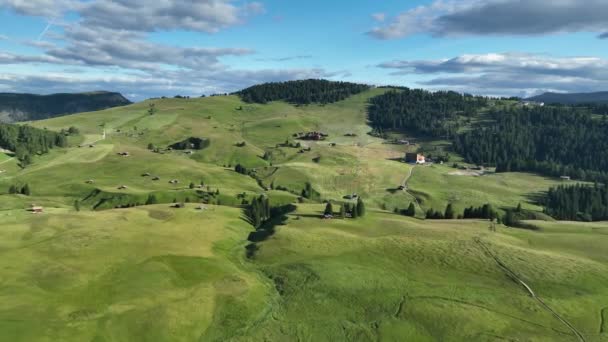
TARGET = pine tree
x,y
449,212
25,190
329,209
13,189
77,205
411,210
151,199
360,208
192,186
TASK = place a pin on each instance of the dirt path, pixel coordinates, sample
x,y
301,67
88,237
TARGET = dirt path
x,y
407,190
6,161
518,280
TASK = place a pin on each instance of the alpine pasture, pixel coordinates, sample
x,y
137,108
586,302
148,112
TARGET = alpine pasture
x,y
104,262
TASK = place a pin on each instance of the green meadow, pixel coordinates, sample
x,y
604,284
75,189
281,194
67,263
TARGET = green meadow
x,y
156,273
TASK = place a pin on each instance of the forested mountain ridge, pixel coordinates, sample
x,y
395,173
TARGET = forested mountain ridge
x,y
573,98
25,107
301,92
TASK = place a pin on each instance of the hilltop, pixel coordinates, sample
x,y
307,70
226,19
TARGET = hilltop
x,y
185,219
26,107
572,98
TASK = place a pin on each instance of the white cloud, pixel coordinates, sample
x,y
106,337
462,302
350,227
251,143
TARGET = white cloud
x,y
497,17
508,73
110,39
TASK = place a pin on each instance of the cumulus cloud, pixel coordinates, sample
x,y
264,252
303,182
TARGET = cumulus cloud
x,y
141,15
508,73
110,38
497,17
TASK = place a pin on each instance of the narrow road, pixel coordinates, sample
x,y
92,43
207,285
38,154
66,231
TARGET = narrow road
x,y
517,279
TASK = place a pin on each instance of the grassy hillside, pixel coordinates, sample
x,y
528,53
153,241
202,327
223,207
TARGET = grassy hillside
x,y
156,273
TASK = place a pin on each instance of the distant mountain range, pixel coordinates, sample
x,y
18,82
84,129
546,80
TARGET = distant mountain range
x,y
573,98
25,107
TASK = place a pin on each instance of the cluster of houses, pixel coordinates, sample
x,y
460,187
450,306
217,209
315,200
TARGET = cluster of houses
x,y
317,136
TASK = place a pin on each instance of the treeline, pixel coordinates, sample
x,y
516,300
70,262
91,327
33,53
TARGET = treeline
x,y
577,203
25,141
429,113
486,212
555,141
301,92
23,190
347,210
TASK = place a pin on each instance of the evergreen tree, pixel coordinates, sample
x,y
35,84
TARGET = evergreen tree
x,y
329,209
192,186
360,208
77,205
449,212
411,210
509,218
25,190
151,199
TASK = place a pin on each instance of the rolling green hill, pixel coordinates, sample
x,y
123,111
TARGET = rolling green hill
x,y
111,268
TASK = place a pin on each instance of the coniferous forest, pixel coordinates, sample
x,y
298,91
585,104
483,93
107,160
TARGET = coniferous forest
x,y
554,141
301,92
422,111
25,141
578,203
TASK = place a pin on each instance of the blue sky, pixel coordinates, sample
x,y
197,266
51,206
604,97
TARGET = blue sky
x,y
491,47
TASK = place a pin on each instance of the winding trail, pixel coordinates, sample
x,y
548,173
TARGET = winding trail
x,y
407,190
517,279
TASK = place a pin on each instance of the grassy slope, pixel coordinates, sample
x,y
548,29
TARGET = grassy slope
x,y
385,276
391,278
150,273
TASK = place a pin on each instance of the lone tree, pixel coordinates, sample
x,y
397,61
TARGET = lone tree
x,y
25,190
151,109
192,186
77,205
329,209
360,209
449,212
411,210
